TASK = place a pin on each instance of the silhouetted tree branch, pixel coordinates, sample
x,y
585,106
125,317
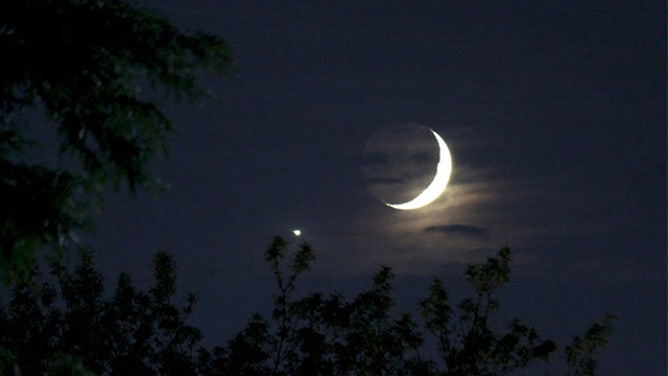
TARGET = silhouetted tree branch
x,y
72,323
329,335
64,322
95,70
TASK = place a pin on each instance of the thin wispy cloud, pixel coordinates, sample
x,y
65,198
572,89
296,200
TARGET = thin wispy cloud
x,y
458,229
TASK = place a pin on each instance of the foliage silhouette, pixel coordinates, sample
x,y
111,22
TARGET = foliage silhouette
x,y
95,70
70,324
329,335
63,322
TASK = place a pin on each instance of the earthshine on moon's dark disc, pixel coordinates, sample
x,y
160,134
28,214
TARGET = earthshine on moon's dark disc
x,y
406,167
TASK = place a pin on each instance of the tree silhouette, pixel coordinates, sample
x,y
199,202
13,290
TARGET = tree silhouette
x,y
71,324
64,322
323,334
94,70
468,346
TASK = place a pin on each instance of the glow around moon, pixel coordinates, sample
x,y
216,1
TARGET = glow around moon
x,y
404,168
438,185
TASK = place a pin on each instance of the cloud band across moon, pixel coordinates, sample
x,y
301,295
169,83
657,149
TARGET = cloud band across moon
x,y
406,166
437,185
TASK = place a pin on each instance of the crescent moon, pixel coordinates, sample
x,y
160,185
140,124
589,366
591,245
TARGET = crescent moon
x,y
437,185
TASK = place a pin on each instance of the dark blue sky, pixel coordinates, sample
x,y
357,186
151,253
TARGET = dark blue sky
x,y
555,114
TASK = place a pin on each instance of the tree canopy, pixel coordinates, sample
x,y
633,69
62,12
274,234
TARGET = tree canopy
x,y
94,71
327,334
63,320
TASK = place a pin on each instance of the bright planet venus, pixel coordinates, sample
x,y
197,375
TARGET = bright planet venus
x,y
406,167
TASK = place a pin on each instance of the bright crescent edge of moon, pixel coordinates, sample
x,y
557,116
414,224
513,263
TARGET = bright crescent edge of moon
x,y
437,186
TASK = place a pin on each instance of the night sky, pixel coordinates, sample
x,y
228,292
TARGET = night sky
x,y
555,115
